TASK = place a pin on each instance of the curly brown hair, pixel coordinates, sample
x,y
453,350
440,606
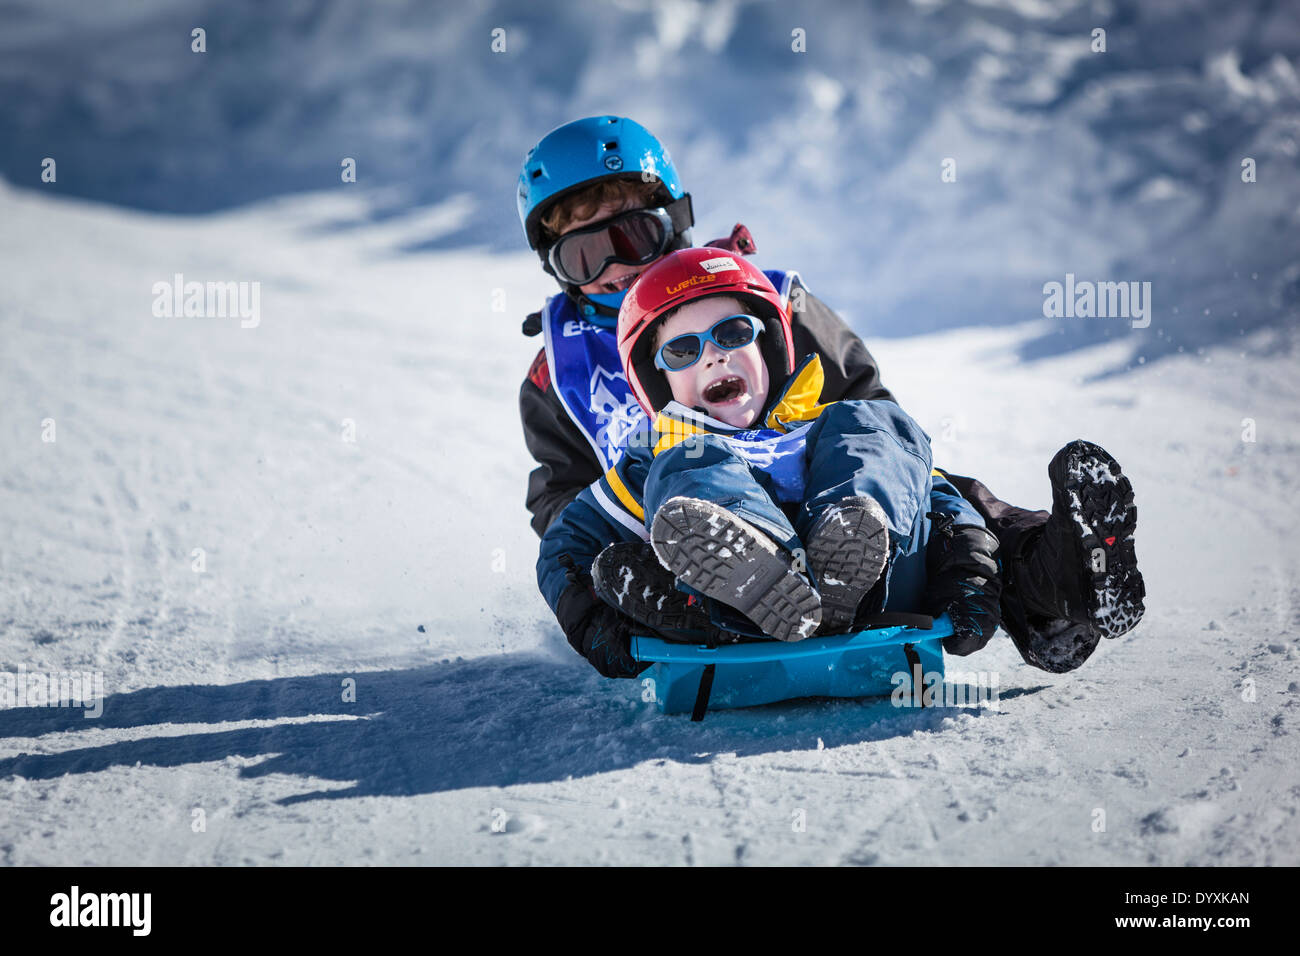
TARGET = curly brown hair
x,y
630,193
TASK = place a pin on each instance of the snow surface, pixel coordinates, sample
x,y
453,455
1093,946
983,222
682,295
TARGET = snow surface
x,y
404,560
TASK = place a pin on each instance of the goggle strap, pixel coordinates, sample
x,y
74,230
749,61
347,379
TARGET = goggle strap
x,y
682,214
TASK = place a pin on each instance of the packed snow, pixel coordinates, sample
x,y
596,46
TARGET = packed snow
x,y
296,552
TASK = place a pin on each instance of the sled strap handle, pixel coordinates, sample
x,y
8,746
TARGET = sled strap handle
x,y
914,665
702,695
921,622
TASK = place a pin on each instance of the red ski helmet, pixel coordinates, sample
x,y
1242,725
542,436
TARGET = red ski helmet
x,y
684,276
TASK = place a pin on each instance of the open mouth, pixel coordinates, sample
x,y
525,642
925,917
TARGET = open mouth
x,y
621,283
724,390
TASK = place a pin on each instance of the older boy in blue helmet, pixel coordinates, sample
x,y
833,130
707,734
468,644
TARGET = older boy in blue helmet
x,y
600,200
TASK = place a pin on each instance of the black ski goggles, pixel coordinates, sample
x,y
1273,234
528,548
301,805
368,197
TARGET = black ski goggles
x,y
635,238
733,332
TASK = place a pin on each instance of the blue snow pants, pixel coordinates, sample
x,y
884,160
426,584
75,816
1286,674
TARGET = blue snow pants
x,y
852,448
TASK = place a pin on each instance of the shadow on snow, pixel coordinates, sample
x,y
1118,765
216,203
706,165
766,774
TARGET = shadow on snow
x,y
490,722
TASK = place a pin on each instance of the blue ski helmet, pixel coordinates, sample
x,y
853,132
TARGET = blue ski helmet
x,y
582,152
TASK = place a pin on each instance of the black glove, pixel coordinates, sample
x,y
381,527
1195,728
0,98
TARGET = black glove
x,y
964,580
594,629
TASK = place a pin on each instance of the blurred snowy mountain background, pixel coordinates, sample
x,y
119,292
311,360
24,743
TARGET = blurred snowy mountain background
x,y
1121,165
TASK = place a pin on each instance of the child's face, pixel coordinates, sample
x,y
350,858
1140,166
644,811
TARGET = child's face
x,y
730,386
617,276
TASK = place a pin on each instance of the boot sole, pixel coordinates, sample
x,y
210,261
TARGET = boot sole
x,y
648,595
846,552
1099,499
1059,646
729,560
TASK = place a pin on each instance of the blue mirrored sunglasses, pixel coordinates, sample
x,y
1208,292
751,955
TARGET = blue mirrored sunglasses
x,y
732,332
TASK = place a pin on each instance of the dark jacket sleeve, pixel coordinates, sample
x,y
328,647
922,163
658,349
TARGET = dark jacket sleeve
x,y
851,372
565,461
580,532
587,525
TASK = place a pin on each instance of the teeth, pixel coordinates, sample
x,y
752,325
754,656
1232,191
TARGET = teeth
x,y
722,384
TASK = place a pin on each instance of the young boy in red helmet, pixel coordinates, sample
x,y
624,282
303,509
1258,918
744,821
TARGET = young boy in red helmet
x,y
751,492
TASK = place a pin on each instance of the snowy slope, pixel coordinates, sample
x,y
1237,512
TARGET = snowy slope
x,y
324,558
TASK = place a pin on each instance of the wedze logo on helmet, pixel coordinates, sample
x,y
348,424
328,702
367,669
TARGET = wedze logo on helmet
x,y
684,276
686,284
711,267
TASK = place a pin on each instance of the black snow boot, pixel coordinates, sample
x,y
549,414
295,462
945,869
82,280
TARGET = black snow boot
x,y
630,578
1082,568
726,558
847,549
1051,644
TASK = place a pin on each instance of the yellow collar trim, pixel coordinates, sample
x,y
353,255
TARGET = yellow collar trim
x,y
673,432
799,402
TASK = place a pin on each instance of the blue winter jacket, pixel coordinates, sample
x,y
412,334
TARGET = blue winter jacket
x,y
777,476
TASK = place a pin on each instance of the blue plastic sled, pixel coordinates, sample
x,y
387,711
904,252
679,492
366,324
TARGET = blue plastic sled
x,y
694,677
